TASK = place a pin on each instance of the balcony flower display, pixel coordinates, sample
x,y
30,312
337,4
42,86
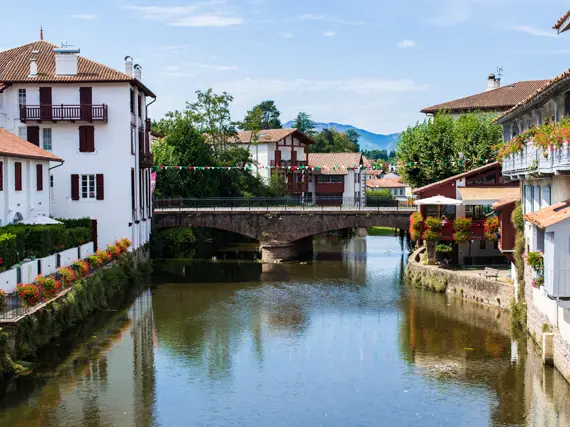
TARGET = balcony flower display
x,y
48,285
536,262
67,276
462,226
29,294
3,300
491,228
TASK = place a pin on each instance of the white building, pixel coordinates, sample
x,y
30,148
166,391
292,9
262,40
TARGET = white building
x,y
24,179
392,183
337,178
95,118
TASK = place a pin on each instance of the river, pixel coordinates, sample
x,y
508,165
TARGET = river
x,y
336,341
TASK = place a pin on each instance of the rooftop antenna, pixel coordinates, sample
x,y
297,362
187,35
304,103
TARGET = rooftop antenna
x,y
41,32
65,44
499,73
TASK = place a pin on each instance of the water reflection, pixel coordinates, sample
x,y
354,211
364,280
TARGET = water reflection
x,y
334,340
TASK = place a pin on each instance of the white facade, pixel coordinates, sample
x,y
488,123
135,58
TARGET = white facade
x,y
30,199
115,157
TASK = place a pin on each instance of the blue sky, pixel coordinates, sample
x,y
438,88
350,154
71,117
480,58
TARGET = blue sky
x,y
370,63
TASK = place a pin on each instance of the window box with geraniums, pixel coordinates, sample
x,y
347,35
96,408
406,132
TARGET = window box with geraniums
x,y
536,262
432,234
48,286
81,268
67,276
3,300
491,228
114,251
29,295
462,228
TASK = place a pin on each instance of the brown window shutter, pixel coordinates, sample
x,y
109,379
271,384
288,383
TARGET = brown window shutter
x,y
100,187
90,130
141,198
147,187
34,135
133,188
82,139
18,176
141,142
40,177
1,176
74,187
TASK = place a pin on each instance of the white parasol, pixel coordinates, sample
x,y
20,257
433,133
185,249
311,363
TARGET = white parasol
x,y
438,200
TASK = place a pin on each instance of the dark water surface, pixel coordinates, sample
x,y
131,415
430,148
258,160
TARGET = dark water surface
x,y
339,341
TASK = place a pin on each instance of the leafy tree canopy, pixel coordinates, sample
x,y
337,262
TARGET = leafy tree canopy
x,y
304,123
262,117
430,150
332,141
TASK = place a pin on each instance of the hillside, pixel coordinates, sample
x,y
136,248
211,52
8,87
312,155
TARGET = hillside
x,y
368,140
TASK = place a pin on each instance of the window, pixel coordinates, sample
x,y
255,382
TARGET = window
x,y
546,196
46,139
1,101
536,197
88,190
18,176
132,101
133,138
23,132
34,135
39,177
52,193
477,212
21,97
432,210
140,105
1,176
540,239
482,244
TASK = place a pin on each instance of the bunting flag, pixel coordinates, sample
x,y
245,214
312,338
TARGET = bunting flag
x,y
152,182
325,167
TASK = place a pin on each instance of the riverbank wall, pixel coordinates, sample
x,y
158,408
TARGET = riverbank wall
x,y
460,283
21,338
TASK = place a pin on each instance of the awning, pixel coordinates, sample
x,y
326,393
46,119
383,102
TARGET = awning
x,y
438,200
40,219
486,195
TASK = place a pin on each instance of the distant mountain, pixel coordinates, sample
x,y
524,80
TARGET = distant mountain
x,y
368,140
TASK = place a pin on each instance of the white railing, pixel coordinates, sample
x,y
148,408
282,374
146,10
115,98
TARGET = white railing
x,y
536,160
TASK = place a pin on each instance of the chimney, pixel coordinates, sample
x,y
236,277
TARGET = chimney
x,y
34,63
138,72
129,66
493,82
66,61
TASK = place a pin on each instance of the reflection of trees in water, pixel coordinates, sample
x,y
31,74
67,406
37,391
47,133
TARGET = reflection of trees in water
x,y
206,272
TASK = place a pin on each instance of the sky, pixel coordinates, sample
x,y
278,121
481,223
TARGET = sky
x,y
372,64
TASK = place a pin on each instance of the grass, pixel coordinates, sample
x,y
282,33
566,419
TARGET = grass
x,y
381,231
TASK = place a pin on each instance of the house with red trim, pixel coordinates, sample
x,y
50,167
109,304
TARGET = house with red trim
x,y
477,190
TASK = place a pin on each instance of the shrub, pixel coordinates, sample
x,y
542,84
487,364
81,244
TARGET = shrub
x,y
3,300
75,222
433,229
491,228
94,261
114,251
8,250
77,236
48,285
29,294
416,226
462,229
536,261
81,268
517,217
174,242
104,256
67,276
446,249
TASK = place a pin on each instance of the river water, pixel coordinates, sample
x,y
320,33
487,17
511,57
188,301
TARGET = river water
x,y
336,341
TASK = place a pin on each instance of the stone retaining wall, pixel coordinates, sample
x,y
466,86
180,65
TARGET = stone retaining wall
x,y
489,292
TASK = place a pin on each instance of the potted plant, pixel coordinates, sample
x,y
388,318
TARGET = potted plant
x,y
443,251
29,294
432,234
416,226
462,227
3,300
536,262
491,228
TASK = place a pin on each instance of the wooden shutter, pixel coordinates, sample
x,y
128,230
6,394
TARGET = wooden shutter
x,y
82,139
18,175
86,139
40,177
141,198
133,188
1,176
100,187
74,187
147,187
34,135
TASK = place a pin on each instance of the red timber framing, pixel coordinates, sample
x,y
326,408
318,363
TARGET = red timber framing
x,y
297,178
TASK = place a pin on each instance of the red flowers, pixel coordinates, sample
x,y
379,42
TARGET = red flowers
x,y
3,299
29,294
416,226
462,226
491,228
67,276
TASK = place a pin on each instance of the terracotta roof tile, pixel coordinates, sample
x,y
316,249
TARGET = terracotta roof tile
x,y
455,177
269,136
15,67
503,203
561,20
497,99
551,215
14,146
327,161
385,183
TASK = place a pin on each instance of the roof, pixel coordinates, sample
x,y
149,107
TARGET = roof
x,y
561,21
14,146
15,68
486,195
366,162
550,216
501,98
335,163
269,136
503,203
456,177
385,183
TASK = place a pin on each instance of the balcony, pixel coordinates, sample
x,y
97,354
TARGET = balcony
x,y
298,187
290,163
146,160
535,160
63,112
477,230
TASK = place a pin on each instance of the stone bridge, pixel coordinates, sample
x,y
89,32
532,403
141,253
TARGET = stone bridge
x,y
279,230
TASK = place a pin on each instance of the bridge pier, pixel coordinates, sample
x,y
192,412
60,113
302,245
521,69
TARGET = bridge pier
x,y
282,251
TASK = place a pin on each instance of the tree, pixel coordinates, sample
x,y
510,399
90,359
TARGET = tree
x,y
441,147
332,141
304,123
353,136
277,185
262,117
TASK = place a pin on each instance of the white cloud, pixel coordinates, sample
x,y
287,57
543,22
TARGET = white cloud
x,y
287,35
454,12
533,31
406,44
329,34
212,13
326,18
84,16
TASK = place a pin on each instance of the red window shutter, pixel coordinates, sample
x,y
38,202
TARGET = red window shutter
x,y
141,198
133,188
1,176
90,131
147,187
82,139
100,187
34,135
18,175
74,187
40,177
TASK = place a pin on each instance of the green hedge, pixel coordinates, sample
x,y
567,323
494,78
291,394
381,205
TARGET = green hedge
x,y
75,223
39,241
